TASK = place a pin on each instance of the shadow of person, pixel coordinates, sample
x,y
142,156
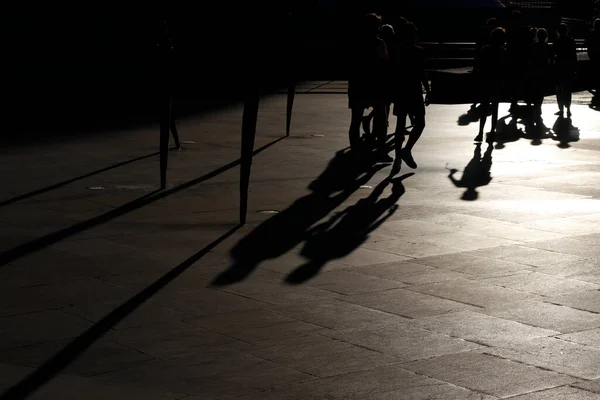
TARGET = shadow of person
x,y
477,173
345,173
565,132
347,230
471,116
507,132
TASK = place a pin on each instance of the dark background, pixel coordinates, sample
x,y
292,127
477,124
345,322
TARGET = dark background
x,y
90,68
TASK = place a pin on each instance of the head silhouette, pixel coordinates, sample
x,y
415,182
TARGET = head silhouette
x,y
498,37
515,18
371,24
596,25
562,30
387,33
407,34
492,23
541,35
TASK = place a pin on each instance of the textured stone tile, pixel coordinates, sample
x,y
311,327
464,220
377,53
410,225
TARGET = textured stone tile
x,y
390,382
14,301
101,357
323,357
85,291
293,392
39,327
563,225
366,256
468,263
404,341
410,273
589,337
473,292
592,386
219,372
488,374
170,339
467,241
554,354
407,303
336,314
481,328
68,387
203,302
567,245
560,393
541,284
348,283
525,255
40,274
12,374
257,326
145,314
588,301
413,247
548,316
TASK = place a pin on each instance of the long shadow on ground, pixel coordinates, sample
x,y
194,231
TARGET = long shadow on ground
x,y
345,174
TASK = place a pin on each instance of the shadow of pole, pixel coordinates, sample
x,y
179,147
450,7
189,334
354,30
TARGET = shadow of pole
x,y
54,237
70,352
68,181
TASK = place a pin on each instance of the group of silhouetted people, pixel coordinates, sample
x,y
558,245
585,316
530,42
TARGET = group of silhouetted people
x,y
388,71
513,60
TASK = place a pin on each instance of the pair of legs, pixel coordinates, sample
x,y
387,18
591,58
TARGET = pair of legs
x,y
488,102
417,112
564,96
379,125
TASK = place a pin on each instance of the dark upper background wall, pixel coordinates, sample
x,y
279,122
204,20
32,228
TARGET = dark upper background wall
x,y
85,68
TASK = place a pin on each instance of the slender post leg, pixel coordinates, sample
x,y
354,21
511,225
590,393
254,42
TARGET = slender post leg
x,y
248,134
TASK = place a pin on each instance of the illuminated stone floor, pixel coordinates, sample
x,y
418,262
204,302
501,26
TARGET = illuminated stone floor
x,y
343,287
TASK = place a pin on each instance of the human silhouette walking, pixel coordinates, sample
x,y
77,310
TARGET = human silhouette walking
x,y
388,35
408,79
491,67
593,50
517,40
366,86
540,56
565,67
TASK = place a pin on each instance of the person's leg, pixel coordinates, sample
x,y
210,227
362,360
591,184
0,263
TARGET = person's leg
x,y
485,107
559,98
380,130
415,134
492,136
354,132
401,115
568,93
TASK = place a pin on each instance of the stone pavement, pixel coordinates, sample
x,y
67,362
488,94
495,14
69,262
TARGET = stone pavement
x,y
343,285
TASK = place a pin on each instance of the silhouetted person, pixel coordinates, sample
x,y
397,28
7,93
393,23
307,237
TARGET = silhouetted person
x,y
565,67
388,35
477,173
367,82
517,40
490,67
593,50
407,81
540,57
167,59
483,39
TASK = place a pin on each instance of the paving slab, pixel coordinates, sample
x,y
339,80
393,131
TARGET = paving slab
x,y
350,286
